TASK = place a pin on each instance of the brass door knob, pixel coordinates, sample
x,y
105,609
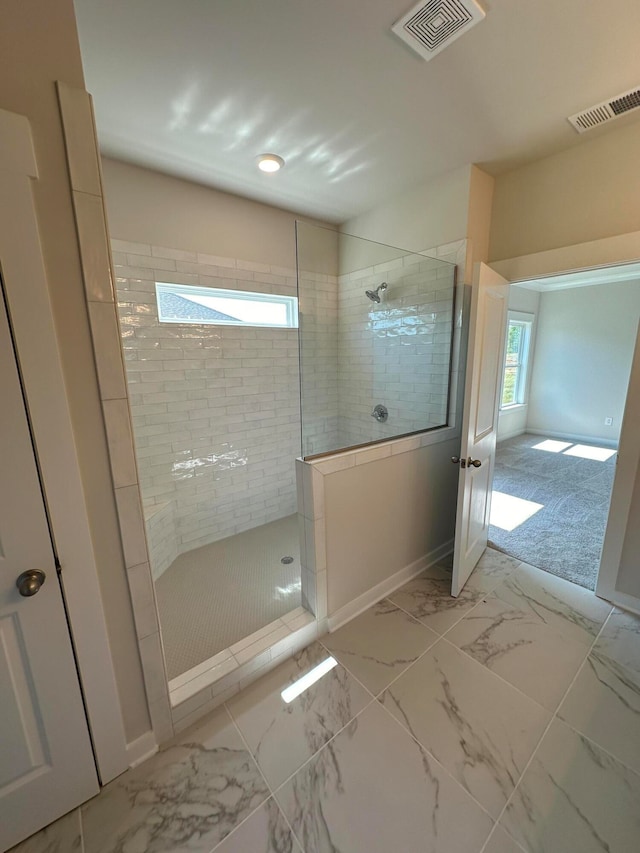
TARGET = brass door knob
x,y
30,582
475,462
455,459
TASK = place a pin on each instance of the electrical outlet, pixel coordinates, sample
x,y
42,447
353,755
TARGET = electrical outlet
x,y
608,421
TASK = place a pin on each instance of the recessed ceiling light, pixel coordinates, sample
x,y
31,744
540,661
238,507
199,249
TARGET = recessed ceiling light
x,y
270,162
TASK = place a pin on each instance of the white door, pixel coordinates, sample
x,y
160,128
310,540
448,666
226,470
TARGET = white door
x,y
46,762
487,328
619,578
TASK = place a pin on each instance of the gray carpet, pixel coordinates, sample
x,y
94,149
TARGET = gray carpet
x,y
216,595
565,536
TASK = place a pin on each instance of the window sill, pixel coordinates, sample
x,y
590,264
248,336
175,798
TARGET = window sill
x,y
513,407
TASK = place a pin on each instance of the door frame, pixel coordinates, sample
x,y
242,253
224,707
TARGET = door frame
x,y
40,366
605,253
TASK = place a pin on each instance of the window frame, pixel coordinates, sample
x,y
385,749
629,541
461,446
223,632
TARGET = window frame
x,y
526,320
185,290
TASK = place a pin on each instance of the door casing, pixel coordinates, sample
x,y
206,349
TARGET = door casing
x,y
32,321
608,252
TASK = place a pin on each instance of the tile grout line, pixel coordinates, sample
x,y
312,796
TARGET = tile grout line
x,y
438,637
582,734
271,793
551,721
438,762
499,677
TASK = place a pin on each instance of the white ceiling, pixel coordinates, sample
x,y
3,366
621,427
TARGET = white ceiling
x,y
199,88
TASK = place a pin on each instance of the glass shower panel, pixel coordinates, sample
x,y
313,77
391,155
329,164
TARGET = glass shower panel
x,y
376,327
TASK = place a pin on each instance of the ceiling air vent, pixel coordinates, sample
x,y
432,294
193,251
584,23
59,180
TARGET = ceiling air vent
x,y
606,111
430,27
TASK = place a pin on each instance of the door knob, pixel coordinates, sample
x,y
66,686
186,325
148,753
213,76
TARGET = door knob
x,y
455,459
30,582
475,462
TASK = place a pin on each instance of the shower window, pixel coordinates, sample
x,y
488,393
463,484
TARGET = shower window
x,y
178,303
376,328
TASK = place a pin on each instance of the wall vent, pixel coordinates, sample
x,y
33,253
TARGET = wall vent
x,y
606,111
430,27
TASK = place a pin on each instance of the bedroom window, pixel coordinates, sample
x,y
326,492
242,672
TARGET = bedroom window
x,y
516,359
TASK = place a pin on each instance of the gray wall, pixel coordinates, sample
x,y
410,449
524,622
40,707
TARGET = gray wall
x,y
584,347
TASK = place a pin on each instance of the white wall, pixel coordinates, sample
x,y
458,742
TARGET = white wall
x,y
39,45
584,348
513,421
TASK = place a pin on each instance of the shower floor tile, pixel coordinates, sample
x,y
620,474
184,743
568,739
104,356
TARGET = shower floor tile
x,y
214,596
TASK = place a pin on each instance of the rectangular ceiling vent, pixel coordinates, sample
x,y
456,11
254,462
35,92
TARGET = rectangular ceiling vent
x,y
606,111
430,27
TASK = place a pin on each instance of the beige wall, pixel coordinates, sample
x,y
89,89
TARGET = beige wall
x,y
481,188
424,216
385,515
589,192
144,206
39,45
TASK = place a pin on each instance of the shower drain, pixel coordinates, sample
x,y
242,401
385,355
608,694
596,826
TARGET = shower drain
x,y
286,560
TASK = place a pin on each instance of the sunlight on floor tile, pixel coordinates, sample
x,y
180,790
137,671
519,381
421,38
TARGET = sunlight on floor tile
x,y
508,512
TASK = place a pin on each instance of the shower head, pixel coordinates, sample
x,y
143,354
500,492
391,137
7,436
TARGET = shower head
x,y
374,295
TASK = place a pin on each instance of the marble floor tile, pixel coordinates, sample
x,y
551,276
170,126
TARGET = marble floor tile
x,y
480,729
283,736
266,831
492,568
555,602
521,647
63,836
379,644
188,797
574,798
373,789
620,640
428,598
500,842
604,705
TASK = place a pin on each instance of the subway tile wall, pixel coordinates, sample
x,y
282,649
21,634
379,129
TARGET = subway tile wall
x,y
396,353
318,307
356,353
215,408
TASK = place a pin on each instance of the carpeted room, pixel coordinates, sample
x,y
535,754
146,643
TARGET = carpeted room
x,y
566,378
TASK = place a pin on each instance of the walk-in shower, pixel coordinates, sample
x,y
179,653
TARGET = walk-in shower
x,y
226,391
371,368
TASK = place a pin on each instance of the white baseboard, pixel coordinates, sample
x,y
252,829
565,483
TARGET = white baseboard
x,y
621,600
386,587
141,748
568,436
511,434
